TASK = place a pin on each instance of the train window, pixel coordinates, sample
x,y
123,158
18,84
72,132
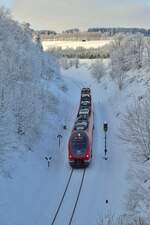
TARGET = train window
x,y
79,143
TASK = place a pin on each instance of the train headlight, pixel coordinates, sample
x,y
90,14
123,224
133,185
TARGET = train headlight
x,y
70,156
87,156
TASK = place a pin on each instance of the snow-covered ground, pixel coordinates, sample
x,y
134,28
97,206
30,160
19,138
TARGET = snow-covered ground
x,y
31,192
105,180
75,44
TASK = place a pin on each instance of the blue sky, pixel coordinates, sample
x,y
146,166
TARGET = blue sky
x,y
6,3
63,14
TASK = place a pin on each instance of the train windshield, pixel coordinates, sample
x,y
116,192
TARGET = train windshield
x,y
79,143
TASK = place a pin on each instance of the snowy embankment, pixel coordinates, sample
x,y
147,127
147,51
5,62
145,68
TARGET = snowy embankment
x,y
75,44
25,100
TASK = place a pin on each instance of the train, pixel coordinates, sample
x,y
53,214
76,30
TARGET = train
x,y
80,141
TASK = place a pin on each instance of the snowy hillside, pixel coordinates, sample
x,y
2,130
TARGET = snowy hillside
x,y
30,84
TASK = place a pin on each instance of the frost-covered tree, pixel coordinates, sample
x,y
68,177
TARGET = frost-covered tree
x,y
64,63
76,62
126,54
122,220
22,68
80,52
147,52
98,69
135,127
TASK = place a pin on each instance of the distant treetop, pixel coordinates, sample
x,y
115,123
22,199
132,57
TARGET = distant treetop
x,y
71,31
114,30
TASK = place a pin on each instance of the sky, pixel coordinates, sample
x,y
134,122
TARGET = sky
x,y
60,15
6,3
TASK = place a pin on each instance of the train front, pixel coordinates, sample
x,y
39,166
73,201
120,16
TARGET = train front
x,y
79,149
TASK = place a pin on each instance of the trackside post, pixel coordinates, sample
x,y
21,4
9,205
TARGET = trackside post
x,y
105,127
48,160
59,136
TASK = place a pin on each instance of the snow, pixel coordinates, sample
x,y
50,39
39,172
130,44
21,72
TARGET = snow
x,y
75,44
37,100
31,192
107,177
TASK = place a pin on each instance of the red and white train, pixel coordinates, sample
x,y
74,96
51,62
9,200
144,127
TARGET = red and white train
x,y
80,141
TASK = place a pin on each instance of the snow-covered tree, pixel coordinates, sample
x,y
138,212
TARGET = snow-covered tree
x,y
22,68
76,62
98,69
147,53
122,220
135,127
126,54
64,63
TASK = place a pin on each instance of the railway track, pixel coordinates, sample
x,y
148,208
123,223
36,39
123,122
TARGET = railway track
x,y
71,218
63,198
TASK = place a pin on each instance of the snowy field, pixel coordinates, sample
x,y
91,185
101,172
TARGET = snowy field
x,y
75,44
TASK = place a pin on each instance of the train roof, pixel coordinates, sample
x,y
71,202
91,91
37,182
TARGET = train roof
x,y
84,112
85,95
85,90
84,102
80,128
85,107
86,98
83,117
83,122
78,134
81,125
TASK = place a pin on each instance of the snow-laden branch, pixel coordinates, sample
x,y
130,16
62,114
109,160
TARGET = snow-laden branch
x,y
135,127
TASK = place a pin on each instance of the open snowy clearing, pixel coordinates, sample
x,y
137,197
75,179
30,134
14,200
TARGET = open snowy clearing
x,y
75,44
